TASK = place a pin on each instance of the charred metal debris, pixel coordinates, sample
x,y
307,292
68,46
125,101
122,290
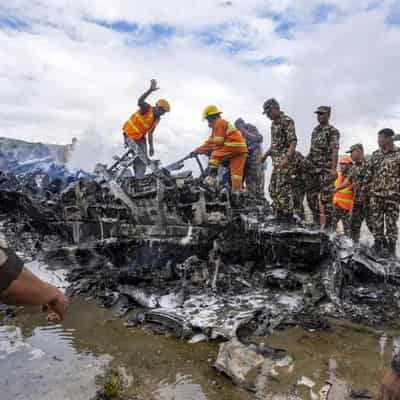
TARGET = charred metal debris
x,y
170,253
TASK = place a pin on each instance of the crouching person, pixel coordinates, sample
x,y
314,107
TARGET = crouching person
x,y
343,197
254,170
225,143
19,286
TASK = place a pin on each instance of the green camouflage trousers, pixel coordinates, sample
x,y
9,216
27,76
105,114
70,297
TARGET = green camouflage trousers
x,y
383,213
358,215
320,183
299,192
342,215
281,191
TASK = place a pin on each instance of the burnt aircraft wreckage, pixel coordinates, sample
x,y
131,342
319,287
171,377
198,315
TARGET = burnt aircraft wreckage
x,y
168,252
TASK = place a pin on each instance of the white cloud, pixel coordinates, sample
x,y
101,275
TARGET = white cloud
x,y
66,77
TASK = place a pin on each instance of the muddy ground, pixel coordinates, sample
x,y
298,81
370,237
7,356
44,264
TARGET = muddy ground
x,y
41,361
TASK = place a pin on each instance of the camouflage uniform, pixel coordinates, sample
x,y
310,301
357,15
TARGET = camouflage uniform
x,y
383,179
324,140
283,133
299,184
339,214
360,208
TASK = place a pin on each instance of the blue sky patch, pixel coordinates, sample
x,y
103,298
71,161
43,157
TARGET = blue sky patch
x,y
138,35
393,17
323,11
10,22
214,37
118,26
273,61
285,24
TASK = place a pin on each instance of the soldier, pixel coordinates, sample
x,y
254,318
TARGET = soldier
x,y
253,170
282,151
383,180
322,164
360,206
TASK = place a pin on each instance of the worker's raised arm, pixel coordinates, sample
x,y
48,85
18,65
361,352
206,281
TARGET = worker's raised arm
x,y
143,105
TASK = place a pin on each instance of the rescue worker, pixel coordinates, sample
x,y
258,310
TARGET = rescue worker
x,y
383,180
18,286
225,143
360,206
282,151
343,197
253,170
141,125
390,384
322,167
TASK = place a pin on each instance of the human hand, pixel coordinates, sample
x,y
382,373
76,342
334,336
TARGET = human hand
x,y
58,307
153,85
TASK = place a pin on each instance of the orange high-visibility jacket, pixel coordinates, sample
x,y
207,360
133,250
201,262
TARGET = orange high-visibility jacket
x,y
343,198
224,134
138,125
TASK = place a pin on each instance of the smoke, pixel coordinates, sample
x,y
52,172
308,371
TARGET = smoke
x,y
93,148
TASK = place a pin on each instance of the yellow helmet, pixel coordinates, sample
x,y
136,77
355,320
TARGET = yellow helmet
x,y
162,103
211,110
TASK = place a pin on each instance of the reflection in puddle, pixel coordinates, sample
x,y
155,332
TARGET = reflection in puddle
x,y
182,389
43,364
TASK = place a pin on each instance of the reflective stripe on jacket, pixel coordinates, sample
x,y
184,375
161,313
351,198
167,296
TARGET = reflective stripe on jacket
x,y
138,125
344,198
223,134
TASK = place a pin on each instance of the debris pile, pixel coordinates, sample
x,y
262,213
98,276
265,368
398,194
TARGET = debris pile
x,y
167,252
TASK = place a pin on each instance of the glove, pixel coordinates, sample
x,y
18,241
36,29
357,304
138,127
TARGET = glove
x,y
192,154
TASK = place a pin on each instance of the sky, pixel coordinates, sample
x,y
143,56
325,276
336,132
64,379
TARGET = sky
x,y
76,68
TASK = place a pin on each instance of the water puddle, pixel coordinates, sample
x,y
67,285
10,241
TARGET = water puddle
x,y
42,361
351,353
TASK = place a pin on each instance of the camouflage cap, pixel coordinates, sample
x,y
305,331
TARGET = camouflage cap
x,y
386,132
323,110
357,146
268,104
